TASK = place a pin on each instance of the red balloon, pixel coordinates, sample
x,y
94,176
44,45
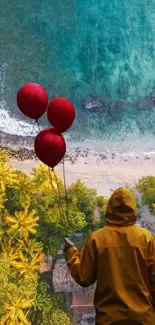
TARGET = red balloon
x,y
32,100
50,146
61,114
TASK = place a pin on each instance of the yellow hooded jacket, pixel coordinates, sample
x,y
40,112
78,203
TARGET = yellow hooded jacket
x,y
120,258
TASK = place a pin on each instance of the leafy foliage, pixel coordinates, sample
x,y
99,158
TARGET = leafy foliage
x,y
49,307
45,179
22,224
58,219
83,198
100,201
4,157
146,187
7,176
20,256
16,297
59,318
20,193
34,218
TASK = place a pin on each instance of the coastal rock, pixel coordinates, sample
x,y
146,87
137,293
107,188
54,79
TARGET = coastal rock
x,y
148,102
116,107
94,104
98,104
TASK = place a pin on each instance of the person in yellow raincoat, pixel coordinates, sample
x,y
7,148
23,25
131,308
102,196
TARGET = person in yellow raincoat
x,y
120,258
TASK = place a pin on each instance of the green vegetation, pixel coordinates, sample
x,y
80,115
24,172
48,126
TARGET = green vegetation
x,y
146,187
34,219
49,306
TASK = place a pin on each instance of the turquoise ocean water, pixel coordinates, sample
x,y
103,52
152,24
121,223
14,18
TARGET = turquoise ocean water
x,y
96,53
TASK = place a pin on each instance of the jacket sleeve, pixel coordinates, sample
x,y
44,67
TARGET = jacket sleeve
x,y
151,265
83,266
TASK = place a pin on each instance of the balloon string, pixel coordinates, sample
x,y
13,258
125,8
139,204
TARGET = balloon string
x,y
36,121
60,196
54,190
64,176
65,186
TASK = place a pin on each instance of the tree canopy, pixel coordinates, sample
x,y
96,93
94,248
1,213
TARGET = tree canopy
x,y
146,187
34,218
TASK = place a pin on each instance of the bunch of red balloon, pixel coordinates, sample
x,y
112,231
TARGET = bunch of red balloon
x,y
50,146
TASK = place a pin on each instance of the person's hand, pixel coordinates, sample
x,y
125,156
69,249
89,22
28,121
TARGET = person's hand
x,y
68,244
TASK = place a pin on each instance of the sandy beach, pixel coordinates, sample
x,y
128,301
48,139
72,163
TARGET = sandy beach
x,y
105,173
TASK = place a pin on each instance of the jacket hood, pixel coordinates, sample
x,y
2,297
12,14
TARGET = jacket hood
x,y
121,209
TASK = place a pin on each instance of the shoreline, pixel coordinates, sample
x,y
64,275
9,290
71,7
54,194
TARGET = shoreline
x,y
104,174
134,144
103,171
23,147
